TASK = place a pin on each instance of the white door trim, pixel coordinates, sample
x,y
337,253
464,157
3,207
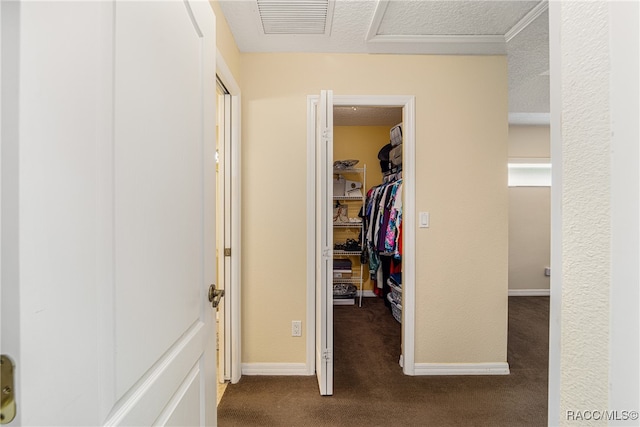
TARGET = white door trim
x,y
223,231
555,286
233,326
407,102
312,105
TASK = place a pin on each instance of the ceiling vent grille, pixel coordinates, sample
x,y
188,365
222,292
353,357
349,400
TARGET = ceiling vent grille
x,y
295,16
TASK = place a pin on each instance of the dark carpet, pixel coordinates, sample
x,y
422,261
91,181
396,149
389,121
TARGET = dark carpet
x,y
370,389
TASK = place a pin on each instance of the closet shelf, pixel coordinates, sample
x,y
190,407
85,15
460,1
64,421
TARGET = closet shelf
x,y
354,280
349,170
347,198
338,252
355,179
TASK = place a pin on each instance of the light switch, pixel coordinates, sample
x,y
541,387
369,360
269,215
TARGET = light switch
x,y
424,219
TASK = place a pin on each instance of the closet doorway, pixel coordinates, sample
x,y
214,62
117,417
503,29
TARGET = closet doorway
x,y
228,251
320,134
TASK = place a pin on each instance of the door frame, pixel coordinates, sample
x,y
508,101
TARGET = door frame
x,y
232,326
407,103
223,232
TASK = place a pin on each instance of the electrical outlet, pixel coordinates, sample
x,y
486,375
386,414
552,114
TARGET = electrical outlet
x,y
296,328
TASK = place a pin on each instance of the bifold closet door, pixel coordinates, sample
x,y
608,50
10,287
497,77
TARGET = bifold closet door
x,y
324,243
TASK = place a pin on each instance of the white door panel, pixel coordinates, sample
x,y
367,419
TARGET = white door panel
x,y
116,213
150,399
158,183
184,409
324,243
55,268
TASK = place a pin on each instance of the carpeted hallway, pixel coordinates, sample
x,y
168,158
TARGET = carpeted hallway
x,y
370,389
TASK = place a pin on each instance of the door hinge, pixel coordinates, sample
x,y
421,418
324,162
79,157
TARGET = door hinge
x,y
227,251
326,252
326,355
7,394
327,133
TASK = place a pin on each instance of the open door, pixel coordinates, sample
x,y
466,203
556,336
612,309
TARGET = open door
x,y
324,243
320,239
223,229
229,233
108,211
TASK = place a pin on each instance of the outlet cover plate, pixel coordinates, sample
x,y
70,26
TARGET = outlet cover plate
x,y
296,328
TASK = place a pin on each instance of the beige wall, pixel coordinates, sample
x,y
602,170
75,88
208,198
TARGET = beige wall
x,y
529,214
529,141
225,42
362,143
461,153
529,237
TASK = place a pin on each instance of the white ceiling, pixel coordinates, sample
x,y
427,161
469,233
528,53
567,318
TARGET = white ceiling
x,y
516,28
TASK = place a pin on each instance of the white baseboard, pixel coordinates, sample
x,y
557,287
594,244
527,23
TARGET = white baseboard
x,y
274,369
367,293
529,292
499,368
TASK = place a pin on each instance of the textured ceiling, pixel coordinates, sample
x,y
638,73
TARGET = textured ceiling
x,y
453,17
528,55
518,29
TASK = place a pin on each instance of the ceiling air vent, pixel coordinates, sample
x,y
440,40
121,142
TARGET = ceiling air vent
x,y
295,16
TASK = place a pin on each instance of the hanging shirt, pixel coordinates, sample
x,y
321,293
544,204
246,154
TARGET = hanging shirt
x,y
391,234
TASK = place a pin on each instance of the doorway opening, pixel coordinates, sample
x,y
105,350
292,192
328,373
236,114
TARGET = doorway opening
x,y
320,286
367,224
223,211
228,230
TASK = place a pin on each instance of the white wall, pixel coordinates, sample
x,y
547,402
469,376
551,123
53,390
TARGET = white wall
x,y
594,311
624,347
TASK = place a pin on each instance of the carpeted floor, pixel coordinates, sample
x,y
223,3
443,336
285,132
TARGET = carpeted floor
x,y
370,389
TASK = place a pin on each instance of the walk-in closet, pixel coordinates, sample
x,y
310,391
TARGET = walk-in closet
x,y
367,219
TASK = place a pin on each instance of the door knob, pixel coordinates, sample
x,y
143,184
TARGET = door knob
x,y
215,295
8,405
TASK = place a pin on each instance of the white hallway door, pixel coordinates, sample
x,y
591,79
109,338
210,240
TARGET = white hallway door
x,y
108,211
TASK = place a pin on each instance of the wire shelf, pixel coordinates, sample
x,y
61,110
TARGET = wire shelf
x,y
359,198
347,253
348,224
348,170
354,280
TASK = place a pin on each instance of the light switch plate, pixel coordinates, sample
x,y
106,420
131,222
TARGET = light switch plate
x,y
424,220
